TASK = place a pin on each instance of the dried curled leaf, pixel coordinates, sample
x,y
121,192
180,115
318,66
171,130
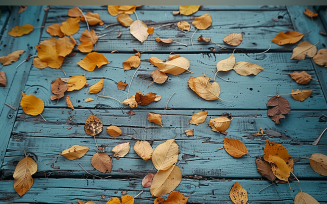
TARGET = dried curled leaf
x,y
304,198
69,103
12,57
264,169
198,118
76,82
304,49
88,100
114,131
121,85
58,88
121,150
226,64
92,60
131,102
166,41
93,125
70,26
139,30
64,46
166,181
301,77
75,152
23,175
143,149
165,155
147,180
309,13
189,132
219,124
246,68
150,30
174,197
280,168
132,62
92,18
154,118
201,38
21,30
277,108
275,149
174,67
39,63
54,30
74,12
321,57
290,37
235,148
97,87
301,95
101,162
115,10
188,9
89,36
203,22
201,85
3,79
85,46
159,77
31,105
49,54
318,163
171,57
238,194
125,19
184,25
144,100
233,39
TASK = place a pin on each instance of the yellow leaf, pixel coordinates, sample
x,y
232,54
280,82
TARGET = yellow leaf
x,y
91,60
165,155
75,152
93,125
304,49
318,163
174,67
154,118
310,13
304,198
203,22
184,25
48,54
114,131
74,12
89,36
85,46
188,9
233,39
125,19
21,30
275,149
279,168
290,37
23,175
92,18
54,30
113,10
70,26
127,199
101,162
198,118
235,148
219,124
238,194
321,57
165,181
226,64
246,68
12,57
131,102
155,61
121,150
31,105
301,95
89,100
96,88
39,63
143,149
50,41
76,82
121,85
139,30
159,77
114,200
132,62
201,85
64,46
128,9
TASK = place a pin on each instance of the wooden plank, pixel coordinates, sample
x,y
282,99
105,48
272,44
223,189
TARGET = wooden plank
x,y
241,89
323,17
16,78
200,191
257,26
3,21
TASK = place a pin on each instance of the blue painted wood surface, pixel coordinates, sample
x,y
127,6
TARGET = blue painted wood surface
x,y
3,21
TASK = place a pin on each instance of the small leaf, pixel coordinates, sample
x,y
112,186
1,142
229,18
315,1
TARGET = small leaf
x,y
31,105
189,132
131,102
139,30
132,62
174,197
203,22
301,95
101,162
238,194
150,30
321,57
280,168
304,198
198,118
310,13
58,88
3,79
246,68
121,85
290,37
89,36
147,180
235,148
304,49
277,108
12,57
301,77
91,60
125,19
264,169
74,12
201,85
144,100
165,155
93,125
188,9
75,152
201,38
175,67
114,200
70,26
97,87
114,131
54,30
318,163
76,82
21,30
233,39
154,118
127,199
171,57
226,64
143,149
184,25
92,18
219,124
159,77
69,103
166,41
121,150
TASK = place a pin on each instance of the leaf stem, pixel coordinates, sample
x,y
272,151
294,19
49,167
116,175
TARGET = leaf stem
x,y
138,194
180,43
130,84
318,139
193,35
53,159
168,102
101,96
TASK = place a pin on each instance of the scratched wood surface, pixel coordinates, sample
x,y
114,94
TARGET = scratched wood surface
x,y
208,173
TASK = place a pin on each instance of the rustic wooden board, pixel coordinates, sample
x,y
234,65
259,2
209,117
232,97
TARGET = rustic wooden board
x,y
241,89
200,191
323,17
257,27
3,21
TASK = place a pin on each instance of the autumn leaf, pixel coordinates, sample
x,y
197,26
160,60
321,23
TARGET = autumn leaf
x,y
75,152
93,125
121,150
21,30
280,168
139,30
175,13
155,61
309,13
189,132
89,100
304,49
69,103
246,68
92,60
150,30
174,197
101,162
131,102
39,63
277,108
121,85
12,57
114,131
127,199
158,98
31,105
3,79
144,100
50,41
233,39
184,25
23,175
92,18
54,30
22,8
165,155
165,181
159,77
321,57
203,22
290,37
97,87
114,200
58,88
219,124
174,67
275,149
89,36
49,54
166,41
226,64
115,10
238,194
147,180
304,198
188,9
301,77
201,38
76,82
154,118
143,149
198,118
132,62
74,12
318,163
235,148
301,95
171,57
125,19
85,46
70,26
264,169
201,85
64,46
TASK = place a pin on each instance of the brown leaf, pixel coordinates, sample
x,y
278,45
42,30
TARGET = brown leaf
x,y
201,85
132,62
318,163
204,39
238,194
275,149
175,67
121,150
219,124
290,37
131,102
226,64
22,8
125,19
203,22
198,118
301,95
101,162
264,169
118,36
235,148
277,108
143,149
321,57
166,41
301,77
310,13
233,39
304,198
184,25
69,103
159,77
147,180
150,30
75,152
23,175
154,118
114,131
121,85
189,132
304,49
93,125
58,88
144,100
130,113
3,79
12,57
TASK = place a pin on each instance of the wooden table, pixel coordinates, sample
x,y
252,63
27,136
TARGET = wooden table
x,y
208,173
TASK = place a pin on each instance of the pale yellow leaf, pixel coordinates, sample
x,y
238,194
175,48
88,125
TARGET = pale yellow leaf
x,y
89,100
198,118
219,124
165,155
143,149
203,22
184,25
139,30
121,150
174,67
321,57
131,102
226,64
188,9
154,118
201,85
132,62
246,68
159,77
318,163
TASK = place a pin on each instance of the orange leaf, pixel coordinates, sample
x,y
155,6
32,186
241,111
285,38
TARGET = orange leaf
x,y
114,131
70,26
50,41
275,149
301,95
290,37
144,100
49,55
125,20
150,30
310,13
174,197
39,63
85,46
21,30
54,30
113,10
64,46
31,105
301,77
91,60
154,118
97,87
132,62
93,125
235,148
280,168
69,103
238,194
92,18
121,85
89,35
74,12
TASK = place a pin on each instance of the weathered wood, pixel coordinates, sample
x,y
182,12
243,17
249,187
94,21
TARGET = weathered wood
x,y
16,78
200,191
3,21
323,17
246,92
257,27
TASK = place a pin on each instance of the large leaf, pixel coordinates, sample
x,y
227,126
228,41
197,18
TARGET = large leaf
x,y
202,86
23,175
165,155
